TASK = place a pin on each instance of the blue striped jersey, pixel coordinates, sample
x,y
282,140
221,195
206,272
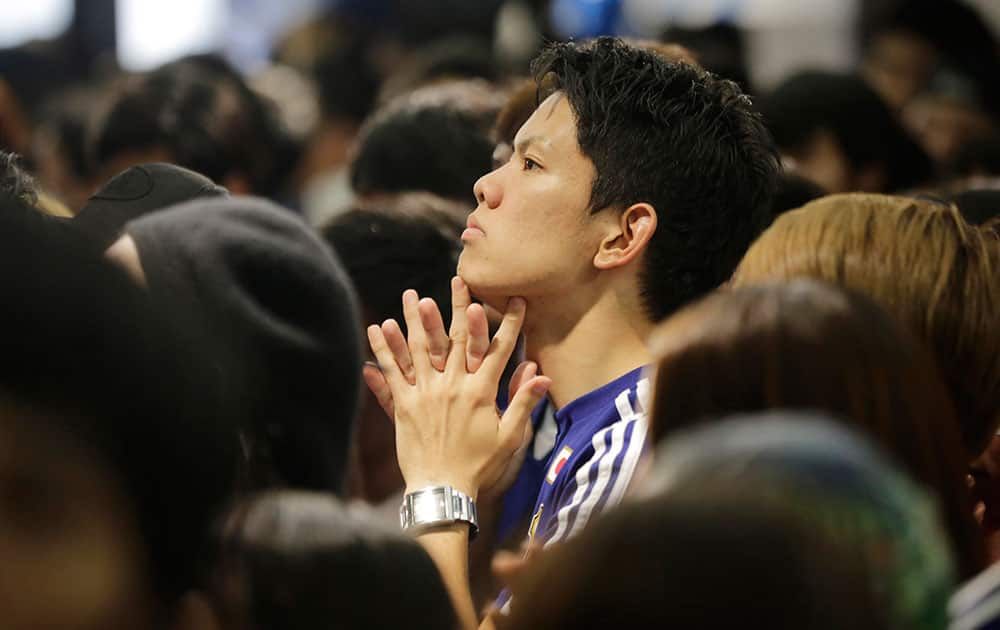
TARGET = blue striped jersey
x,y
599,439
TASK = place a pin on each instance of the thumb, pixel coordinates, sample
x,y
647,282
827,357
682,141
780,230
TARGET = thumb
x,y
514,422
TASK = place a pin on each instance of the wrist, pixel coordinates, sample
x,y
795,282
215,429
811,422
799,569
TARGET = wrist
x,y
436,507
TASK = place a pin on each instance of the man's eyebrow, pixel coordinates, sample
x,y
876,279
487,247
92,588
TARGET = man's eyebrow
x,y
523,145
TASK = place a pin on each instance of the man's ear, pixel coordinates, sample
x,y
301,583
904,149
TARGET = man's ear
x,y
628,237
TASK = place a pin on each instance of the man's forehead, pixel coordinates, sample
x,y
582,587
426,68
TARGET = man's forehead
x,y
551,121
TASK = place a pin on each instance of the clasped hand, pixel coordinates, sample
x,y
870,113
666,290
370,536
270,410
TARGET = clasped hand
x,y
441,390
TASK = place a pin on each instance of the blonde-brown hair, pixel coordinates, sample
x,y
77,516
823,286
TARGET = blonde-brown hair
x,y
922,263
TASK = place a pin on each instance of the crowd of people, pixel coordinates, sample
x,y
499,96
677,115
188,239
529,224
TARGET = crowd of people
x,y
613,341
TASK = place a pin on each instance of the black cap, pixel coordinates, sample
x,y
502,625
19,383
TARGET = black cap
x,y
136,192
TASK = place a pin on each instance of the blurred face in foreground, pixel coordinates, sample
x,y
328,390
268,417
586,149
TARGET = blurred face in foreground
x,y
69,544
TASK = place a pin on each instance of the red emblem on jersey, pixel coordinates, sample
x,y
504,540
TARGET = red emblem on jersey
x,y
558,463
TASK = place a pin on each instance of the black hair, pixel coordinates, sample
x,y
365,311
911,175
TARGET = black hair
x,y
978,206
675,137
15,182
305,560
84,352
852,111
347,82
202,111
793,192
412,144
391,244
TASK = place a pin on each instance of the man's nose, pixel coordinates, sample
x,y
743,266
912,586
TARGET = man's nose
x,y
487,190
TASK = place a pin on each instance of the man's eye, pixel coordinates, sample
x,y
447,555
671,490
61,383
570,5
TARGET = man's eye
x,y
530,164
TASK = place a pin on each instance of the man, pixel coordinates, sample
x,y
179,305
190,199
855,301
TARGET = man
x,y
634,188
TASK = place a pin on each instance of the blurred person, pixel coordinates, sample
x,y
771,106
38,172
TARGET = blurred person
x,y
303,561
853,499
323,171
136,192
835,131
905,41
614,249
950,112
113,461
920,261
452,58
435,139
812,346
281,316
59,145
199,113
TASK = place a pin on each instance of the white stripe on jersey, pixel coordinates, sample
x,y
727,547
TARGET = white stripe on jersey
x,y
642,395
582,501
632,455
582,483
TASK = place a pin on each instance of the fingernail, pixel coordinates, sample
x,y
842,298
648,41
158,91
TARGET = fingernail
x,y
517,302
457,284
540,388
410,297
371,330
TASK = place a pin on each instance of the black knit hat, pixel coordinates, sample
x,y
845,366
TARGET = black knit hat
x,y
136,192
283,320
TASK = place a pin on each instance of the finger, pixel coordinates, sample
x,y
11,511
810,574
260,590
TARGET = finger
x,y
459,331
416,337
479,337
386,360
506,338
396,340
516,419
506,564
524,372
379,387
437,339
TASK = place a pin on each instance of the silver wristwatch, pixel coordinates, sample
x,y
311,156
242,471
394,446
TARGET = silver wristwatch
x,y
435,506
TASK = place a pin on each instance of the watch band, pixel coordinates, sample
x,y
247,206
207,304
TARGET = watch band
x,y
435,506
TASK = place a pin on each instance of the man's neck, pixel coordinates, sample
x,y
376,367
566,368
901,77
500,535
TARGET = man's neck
x,y
585,348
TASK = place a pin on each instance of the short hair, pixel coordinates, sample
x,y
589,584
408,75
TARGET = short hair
x,y
434,139
397,242
920,261
865,129
675,137
203,112
15,181
810,345
300,561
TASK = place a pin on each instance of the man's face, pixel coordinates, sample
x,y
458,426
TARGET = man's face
x,y
531,234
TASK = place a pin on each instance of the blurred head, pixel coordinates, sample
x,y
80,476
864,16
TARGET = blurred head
x,y
112,462
809,345
835,131
709,540
435,139
59,144
919,260
834,484
281,316
200,114
302,561
622,175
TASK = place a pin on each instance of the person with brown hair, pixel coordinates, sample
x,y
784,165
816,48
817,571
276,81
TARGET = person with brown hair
x,y
808,345
919,260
